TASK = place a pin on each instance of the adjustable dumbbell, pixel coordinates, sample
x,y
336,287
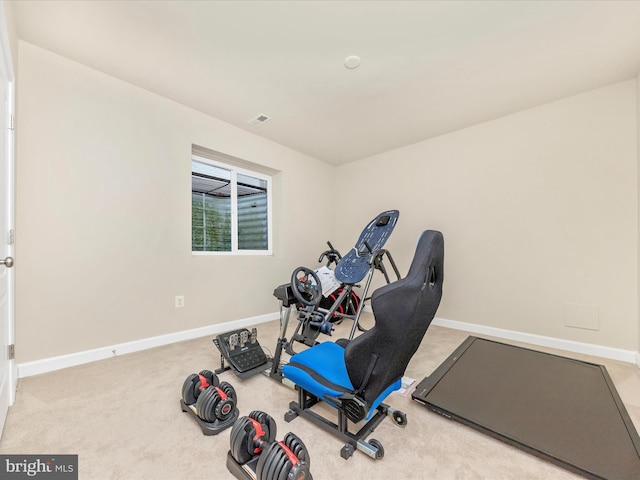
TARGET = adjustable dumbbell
x,y
288,459
250,435
214,400
253,448
195,383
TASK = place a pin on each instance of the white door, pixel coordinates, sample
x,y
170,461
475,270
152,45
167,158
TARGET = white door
x,y
7,373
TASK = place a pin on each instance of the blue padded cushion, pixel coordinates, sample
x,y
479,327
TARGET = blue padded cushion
x,y
326,360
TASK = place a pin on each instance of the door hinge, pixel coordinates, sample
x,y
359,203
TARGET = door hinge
x,y
12,124
12,351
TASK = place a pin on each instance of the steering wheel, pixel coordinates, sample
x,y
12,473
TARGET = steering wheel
x,y
306,286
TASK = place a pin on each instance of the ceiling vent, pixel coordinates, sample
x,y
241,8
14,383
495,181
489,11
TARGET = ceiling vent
x,y
259,120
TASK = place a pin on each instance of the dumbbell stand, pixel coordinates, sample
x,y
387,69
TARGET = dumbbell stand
x,y
210,428
246,471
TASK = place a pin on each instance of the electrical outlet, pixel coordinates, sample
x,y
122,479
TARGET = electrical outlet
x,y
179,301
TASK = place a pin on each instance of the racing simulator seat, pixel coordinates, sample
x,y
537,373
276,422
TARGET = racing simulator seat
x,y
355,376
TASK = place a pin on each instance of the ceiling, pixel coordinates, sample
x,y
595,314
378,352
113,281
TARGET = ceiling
x,y
427,67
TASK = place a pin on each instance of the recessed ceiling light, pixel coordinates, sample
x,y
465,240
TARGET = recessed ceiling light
x,y
352,61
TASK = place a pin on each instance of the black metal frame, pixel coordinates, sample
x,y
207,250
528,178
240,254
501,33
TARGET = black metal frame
x,y
282,293
354,441
376,263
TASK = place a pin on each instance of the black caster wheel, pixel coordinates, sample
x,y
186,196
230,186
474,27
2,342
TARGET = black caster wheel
x,y
400,418
378,446
347,451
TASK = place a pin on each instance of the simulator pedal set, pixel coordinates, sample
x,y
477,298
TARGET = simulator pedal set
x,y
242,351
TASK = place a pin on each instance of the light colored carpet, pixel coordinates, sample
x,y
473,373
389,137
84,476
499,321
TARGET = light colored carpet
x,y
122,417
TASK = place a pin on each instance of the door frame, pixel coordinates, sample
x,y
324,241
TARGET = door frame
x,y
9,186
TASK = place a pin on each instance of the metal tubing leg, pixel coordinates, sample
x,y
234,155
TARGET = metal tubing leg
x,y
361,306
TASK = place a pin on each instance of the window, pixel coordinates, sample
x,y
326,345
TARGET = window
x,y
230,208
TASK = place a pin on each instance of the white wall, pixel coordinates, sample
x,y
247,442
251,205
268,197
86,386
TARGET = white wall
x,y
538,209
8,9
104,214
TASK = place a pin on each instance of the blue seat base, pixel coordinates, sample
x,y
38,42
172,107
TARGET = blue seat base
x,y
321,371
327,359
320,374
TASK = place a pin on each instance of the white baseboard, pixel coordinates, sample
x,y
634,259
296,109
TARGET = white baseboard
x,y
51,364
45,365
628,356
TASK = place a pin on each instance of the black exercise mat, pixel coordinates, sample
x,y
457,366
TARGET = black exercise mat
x,y
563,410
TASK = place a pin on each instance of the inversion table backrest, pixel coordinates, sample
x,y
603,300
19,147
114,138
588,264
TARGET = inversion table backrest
x,y
355,265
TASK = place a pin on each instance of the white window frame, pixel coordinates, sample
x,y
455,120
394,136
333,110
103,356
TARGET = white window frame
x,y
235,170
